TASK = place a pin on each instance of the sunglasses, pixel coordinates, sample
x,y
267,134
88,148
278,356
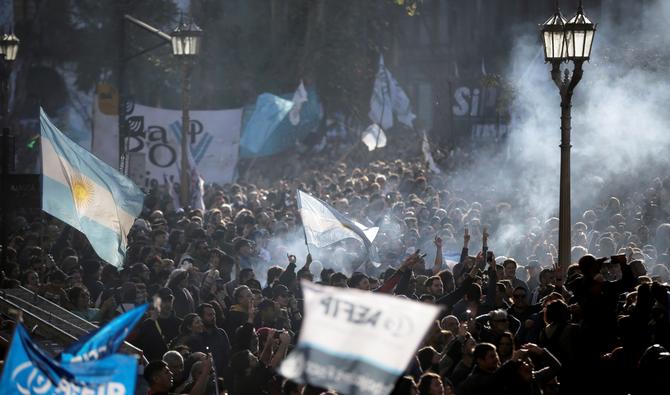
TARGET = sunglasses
x,y
518,295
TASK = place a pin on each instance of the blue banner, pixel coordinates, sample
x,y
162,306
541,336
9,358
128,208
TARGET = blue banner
x,y
28,370
105,340
257,141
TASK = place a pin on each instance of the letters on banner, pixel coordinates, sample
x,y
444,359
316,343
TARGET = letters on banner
x,y
356,342
155,133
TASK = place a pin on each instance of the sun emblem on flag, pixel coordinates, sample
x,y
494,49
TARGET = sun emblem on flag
x,y
82,192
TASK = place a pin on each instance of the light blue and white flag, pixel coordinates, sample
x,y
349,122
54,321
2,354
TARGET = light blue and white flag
x,y
324,226
299,97
389,98
106,340
270,111
87,194
28,370
356,342
381,108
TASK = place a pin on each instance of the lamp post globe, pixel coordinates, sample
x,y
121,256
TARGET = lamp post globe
x,y
9,46
579,34
186,39
553,37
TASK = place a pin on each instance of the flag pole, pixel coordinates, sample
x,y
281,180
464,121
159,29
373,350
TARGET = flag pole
x,y
304,232
388,88
306,243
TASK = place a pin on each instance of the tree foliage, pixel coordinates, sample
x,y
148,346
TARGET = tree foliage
x,y
249,47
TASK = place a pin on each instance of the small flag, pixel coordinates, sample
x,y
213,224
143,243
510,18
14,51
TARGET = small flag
x,y
299,97
87,194
197,185
381,109
389,98
425,148
356,342
374,137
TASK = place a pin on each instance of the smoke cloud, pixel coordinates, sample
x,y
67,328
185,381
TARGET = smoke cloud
x,y
620,122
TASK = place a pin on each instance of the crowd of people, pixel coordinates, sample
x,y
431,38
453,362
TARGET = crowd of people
x,y
223,284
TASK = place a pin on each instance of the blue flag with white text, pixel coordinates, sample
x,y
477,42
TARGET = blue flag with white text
x,y
28,370
106,340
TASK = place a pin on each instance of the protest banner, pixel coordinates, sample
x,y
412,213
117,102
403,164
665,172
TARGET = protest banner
x,y
356,342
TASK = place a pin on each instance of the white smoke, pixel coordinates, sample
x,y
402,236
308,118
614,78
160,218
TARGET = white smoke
x,y
620,120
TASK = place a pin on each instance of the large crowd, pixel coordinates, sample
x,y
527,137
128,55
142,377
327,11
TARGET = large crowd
x,y
223,284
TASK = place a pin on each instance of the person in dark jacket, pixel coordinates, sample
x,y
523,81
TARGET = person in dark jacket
x,y
215,338
183,300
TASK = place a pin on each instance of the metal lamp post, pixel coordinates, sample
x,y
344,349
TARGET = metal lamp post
x,y
185,45
9,47
569,41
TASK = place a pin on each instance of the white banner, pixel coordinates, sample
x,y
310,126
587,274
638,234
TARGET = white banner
x,y
214,141
356,342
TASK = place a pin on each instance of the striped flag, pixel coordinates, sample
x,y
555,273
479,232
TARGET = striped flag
x,y
87,194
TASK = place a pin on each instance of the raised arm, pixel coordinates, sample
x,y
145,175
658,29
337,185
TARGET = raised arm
x,y
437,266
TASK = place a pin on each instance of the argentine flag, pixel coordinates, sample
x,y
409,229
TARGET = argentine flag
x,y
87,194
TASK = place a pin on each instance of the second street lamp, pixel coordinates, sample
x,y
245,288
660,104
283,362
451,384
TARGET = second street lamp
x,y
563,42
9,47
185,45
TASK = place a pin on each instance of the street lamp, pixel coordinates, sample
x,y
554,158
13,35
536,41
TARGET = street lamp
x,y
564,42
185,40
9,47
185,45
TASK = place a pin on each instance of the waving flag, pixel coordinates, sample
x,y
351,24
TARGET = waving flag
x,y
381,109
28,370
428,156
270,111
106,340
325,226
87,194
374,137
299,97
389,98
356,342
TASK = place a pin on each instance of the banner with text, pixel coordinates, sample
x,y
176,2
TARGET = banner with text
x,y
214,141
356,342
